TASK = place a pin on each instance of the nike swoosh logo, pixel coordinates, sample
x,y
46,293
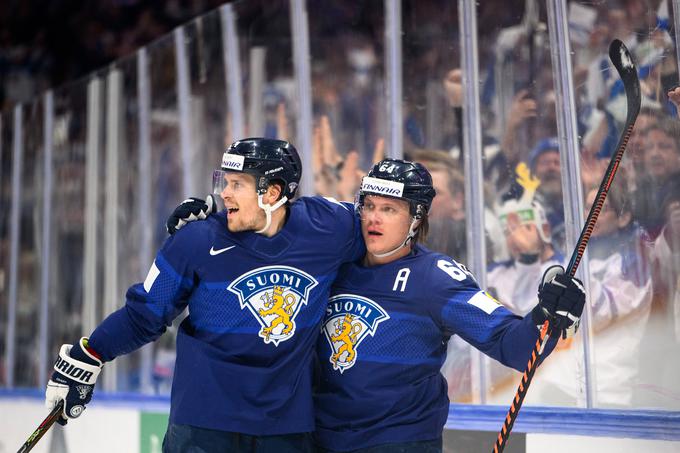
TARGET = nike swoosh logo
x,y
214,252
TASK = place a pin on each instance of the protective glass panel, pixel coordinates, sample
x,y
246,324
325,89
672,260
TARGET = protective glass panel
x,y
432,120
348,93
68,217
6,163
266,57
634,251
208,98
524,219
166,160
30,237
166,174
132,226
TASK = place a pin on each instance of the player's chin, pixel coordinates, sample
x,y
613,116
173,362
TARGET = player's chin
x,y
377,247
234,226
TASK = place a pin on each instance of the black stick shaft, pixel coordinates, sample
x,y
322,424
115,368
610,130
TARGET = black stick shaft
x,y
42,428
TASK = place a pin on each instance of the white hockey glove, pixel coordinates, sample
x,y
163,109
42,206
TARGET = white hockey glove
x,y
189,210
75,373
560,299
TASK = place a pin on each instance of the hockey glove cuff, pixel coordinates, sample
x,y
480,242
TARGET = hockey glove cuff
x,y
75,373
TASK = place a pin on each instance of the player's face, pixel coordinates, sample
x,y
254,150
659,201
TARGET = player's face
x,y
384,223
240,199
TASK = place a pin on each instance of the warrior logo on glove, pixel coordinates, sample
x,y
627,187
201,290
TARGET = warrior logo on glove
x,y
75,372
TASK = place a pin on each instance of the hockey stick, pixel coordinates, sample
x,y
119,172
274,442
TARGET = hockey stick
x,y
621,59
43,428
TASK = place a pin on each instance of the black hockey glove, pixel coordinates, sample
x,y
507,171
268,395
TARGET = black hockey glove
x,y
560,299
75,373
189,210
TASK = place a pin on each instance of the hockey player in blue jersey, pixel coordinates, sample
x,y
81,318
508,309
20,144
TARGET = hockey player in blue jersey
x,y
255,279
389,318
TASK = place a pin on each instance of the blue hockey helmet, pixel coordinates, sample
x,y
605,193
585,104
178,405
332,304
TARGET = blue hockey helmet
x,y
268,159
402,179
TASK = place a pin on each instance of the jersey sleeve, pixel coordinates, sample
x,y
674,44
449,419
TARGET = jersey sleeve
x,y
151,306
463,309
343,220
356,248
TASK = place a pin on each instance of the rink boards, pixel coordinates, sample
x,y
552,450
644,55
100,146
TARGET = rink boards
x,y
136,424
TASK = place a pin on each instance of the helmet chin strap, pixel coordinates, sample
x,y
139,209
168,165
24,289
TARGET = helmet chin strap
x,y
268,209
409,236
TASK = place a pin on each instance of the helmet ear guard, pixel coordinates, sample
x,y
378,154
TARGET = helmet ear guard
x,y
418,212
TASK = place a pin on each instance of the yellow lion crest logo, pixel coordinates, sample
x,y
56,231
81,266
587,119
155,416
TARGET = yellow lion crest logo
x,y
346,332
282,307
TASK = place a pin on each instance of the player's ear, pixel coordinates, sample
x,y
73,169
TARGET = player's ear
x,y
273,194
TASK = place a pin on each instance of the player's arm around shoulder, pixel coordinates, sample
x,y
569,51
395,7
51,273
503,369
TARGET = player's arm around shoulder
x,y
338,219
323,210
190,210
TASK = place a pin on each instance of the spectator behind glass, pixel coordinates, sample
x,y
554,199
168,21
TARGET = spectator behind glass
x,y
513,282
661,167
620,295
528,237
635,151
620,291
662,336
667,254
544,162
447,216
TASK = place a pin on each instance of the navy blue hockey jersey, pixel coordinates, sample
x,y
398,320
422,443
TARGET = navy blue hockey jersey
x,y
244,352
384,340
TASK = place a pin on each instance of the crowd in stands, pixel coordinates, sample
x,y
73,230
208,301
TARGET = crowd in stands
x,y
46,43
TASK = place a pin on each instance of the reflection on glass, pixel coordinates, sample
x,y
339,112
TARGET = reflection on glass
x,y
6,162
634,253
68,214
524,221
348,93
265,41
30,231
632,270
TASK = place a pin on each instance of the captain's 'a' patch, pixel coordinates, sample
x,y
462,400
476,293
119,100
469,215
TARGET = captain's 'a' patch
x,y
274,295
349,319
